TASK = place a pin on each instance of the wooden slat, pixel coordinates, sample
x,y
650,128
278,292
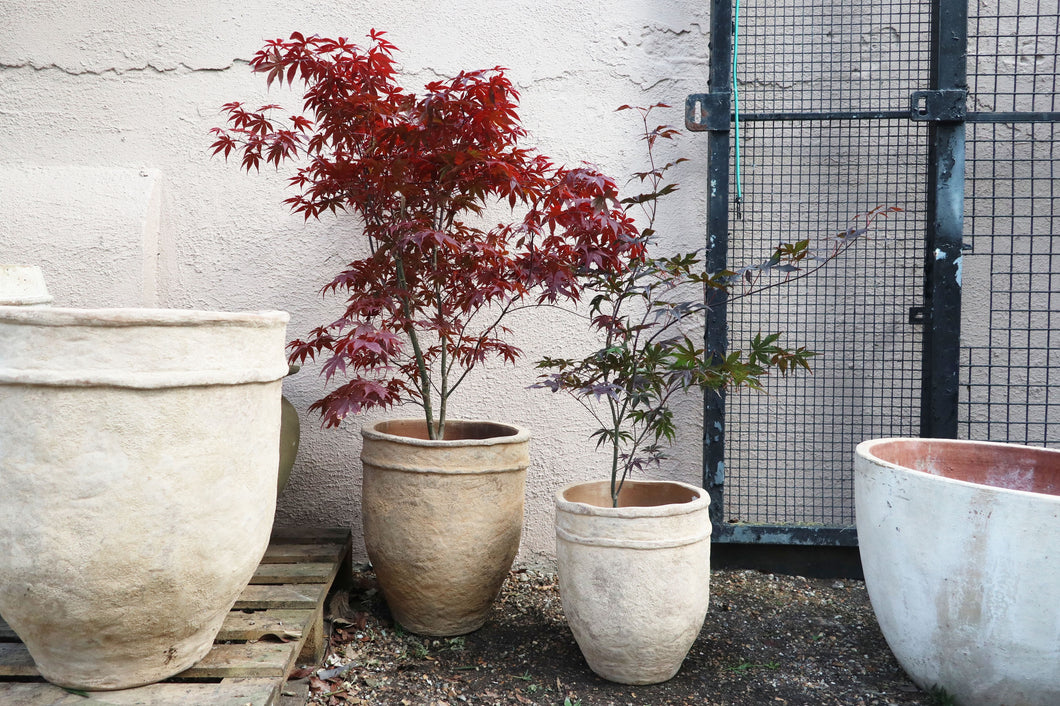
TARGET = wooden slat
x,y
279,553
231,692
284,624
305,572
310,535
302,572
315,645
252,683
15,661
308,595
36,694
6,633
253,659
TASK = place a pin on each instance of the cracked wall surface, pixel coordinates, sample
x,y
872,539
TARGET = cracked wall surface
x,y
106,180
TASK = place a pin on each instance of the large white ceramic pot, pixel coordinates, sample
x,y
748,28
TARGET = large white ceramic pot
x,y
138,461
960,543
23,285
634,579
442,519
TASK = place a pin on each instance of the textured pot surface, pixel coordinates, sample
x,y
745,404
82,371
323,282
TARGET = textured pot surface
x,y
23,285
138,457
290,437
960,543
634,580
442,519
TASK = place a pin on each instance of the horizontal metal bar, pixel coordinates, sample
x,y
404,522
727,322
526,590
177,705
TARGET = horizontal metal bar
x,y
1015,117
832,115
806,535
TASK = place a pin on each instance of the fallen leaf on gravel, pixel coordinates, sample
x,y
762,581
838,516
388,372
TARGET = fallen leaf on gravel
x,y
332,673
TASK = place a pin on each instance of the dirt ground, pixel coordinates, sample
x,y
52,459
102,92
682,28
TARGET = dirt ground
x,y
768,640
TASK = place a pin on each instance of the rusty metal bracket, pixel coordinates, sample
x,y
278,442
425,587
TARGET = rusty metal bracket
x,y
708,111
939,106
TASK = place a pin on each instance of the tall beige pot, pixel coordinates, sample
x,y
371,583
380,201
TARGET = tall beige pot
x,y
442,519
138,461
634,580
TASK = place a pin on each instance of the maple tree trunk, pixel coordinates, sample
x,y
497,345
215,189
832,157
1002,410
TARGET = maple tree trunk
x,y
443,396
421,365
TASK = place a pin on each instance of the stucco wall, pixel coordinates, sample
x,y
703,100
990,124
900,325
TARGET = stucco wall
x,y
106,180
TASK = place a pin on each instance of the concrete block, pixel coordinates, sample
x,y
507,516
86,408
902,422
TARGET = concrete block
x,y
94,231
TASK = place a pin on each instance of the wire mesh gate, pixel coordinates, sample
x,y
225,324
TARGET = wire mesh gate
x,y
822,109
1011,358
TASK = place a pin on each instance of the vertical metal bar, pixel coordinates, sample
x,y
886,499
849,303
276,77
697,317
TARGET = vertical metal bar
x,y
945,225
717,255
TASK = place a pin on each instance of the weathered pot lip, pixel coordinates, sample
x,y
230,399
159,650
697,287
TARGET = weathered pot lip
x,y
521,435
119,317
700,503
864,450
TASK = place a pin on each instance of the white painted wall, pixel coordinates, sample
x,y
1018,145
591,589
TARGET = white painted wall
x,y
106,180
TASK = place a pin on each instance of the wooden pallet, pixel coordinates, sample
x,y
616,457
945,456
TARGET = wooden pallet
x,y
277,622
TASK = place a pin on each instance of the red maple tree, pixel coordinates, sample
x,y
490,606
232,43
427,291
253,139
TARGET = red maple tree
x,y
426,305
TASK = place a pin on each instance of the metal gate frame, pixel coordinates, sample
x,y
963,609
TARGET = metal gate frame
x,y
943,107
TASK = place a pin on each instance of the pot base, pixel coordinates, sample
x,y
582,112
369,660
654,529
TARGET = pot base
x,y
116,670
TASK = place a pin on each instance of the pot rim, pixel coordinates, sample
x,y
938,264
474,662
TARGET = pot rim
x,y
120,317
520,434
864,450
574,507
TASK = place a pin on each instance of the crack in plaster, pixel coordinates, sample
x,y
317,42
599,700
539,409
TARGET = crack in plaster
x,y
148,68
656,28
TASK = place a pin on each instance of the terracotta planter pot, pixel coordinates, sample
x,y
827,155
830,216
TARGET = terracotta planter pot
x,y
442,519
290,436
960,543
634,580
138,457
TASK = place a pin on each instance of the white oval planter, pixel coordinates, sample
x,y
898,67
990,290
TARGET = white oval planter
x,y
138,461
960,543
634,580
442,519
23,285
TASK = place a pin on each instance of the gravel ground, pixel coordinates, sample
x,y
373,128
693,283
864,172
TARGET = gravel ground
x,y
768,640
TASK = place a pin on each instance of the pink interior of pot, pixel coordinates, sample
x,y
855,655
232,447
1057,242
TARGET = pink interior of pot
x,y
1009,466
455,430
633,494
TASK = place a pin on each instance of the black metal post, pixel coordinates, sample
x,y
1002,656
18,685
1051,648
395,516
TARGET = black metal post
x,y
945,224
717,251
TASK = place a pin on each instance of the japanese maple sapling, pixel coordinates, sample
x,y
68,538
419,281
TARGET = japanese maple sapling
x,y
642,313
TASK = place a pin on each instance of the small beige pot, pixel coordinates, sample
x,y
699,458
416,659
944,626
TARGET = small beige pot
x,y
634,580
442,519
138,460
